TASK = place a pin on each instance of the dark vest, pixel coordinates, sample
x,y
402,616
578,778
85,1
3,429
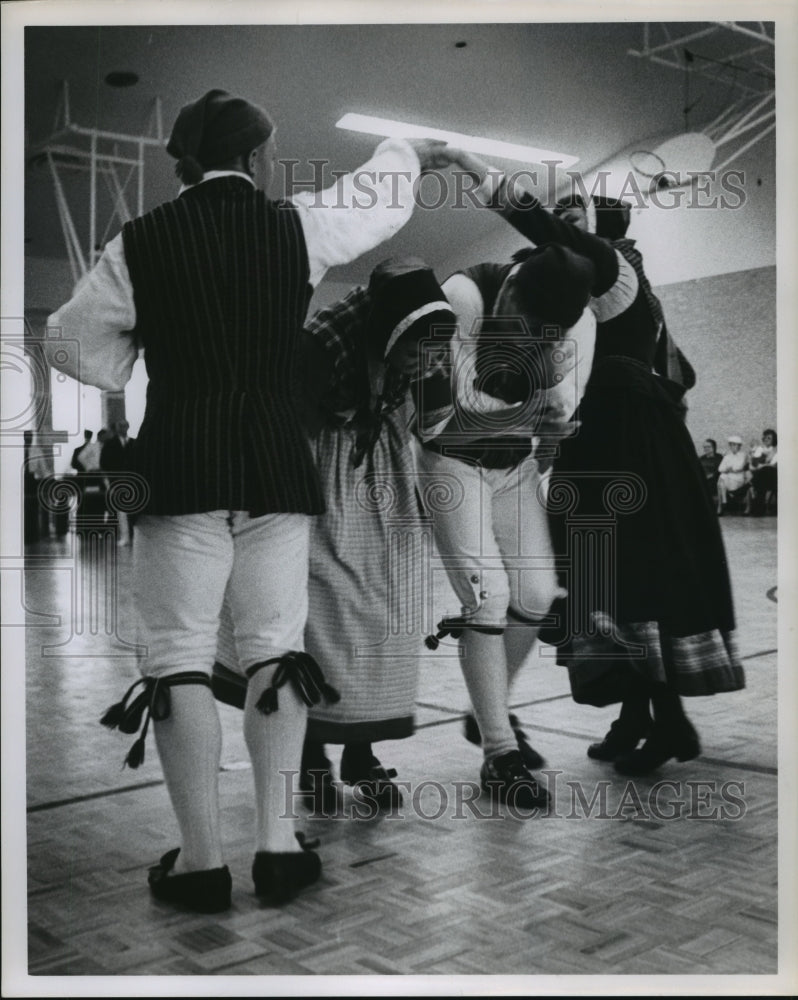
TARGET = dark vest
x,y
220,283
490,452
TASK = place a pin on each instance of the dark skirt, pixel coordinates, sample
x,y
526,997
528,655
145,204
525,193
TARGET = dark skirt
x,y
639,546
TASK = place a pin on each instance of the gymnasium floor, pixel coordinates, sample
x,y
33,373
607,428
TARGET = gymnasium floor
x,y
672,879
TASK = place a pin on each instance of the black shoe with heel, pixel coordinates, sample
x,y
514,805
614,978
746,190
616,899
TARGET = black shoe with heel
x,y
202,891
361,769
279,876
620,741
663,744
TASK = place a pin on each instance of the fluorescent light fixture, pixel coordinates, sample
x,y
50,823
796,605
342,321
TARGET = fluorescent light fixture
x,y
473,143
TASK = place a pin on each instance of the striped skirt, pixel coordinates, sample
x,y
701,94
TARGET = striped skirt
x,y
364,623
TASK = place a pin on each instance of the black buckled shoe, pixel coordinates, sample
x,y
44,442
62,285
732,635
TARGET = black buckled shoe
x,y
203,891
507,779
661,746
530,756
279,876
620,741
371,778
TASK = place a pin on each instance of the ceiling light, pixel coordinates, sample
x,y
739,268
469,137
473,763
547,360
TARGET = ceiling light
x,y
121,78
472,143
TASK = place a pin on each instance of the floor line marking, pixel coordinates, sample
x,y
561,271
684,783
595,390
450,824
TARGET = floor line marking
x,y
716,761
93,795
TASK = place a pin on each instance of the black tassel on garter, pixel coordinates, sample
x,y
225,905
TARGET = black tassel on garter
x,y
454,626
154,700
305,676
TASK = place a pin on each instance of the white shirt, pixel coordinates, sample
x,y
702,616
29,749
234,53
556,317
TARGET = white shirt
x,y
578,346
733,468
354,215
764,456
560,400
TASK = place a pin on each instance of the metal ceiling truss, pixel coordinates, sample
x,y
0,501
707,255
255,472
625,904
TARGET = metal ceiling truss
x,y
742,119
115,159
748,69
752,75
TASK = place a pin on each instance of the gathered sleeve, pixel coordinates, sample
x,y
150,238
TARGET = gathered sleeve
x,y
90,338
361,210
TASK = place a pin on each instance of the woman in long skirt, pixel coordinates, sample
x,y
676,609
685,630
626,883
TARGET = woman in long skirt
x,y
649,616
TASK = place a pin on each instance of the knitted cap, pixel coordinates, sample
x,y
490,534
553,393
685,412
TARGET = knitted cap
x,y
553,284
407,302
612,217
217,128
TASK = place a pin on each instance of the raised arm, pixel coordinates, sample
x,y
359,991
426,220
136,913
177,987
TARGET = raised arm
x,y
526,214
365,208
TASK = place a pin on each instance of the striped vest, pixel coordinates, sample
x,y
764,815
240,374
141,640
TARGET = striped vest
x,y
220,283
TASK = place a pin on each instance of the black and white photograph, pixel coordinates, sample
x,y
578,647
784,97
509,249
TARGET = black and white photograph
x,y
398,571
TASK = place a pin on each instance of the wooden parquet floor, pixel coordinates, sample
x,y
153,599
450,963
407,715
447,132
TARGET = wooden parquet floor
x,y
676,874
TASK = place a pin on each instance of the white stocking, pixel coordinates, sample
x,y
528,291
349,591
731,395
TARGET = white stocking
x,y
484,666
190,747
518,643
275,744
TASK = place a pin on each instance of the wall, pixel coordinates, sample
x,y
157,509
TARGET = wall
x,y
726,325
48,283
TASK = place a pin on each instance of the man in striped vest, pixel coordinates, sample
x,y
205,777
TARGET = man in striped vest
x,y
214,286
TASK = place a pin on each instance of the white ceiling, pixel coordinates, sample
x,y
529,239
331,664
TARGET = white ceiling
x,y
569,87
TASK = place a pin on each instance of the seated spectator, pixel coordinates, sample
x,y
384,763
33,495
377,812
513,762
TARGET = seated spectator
x,y
764,481
710,461
733,476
